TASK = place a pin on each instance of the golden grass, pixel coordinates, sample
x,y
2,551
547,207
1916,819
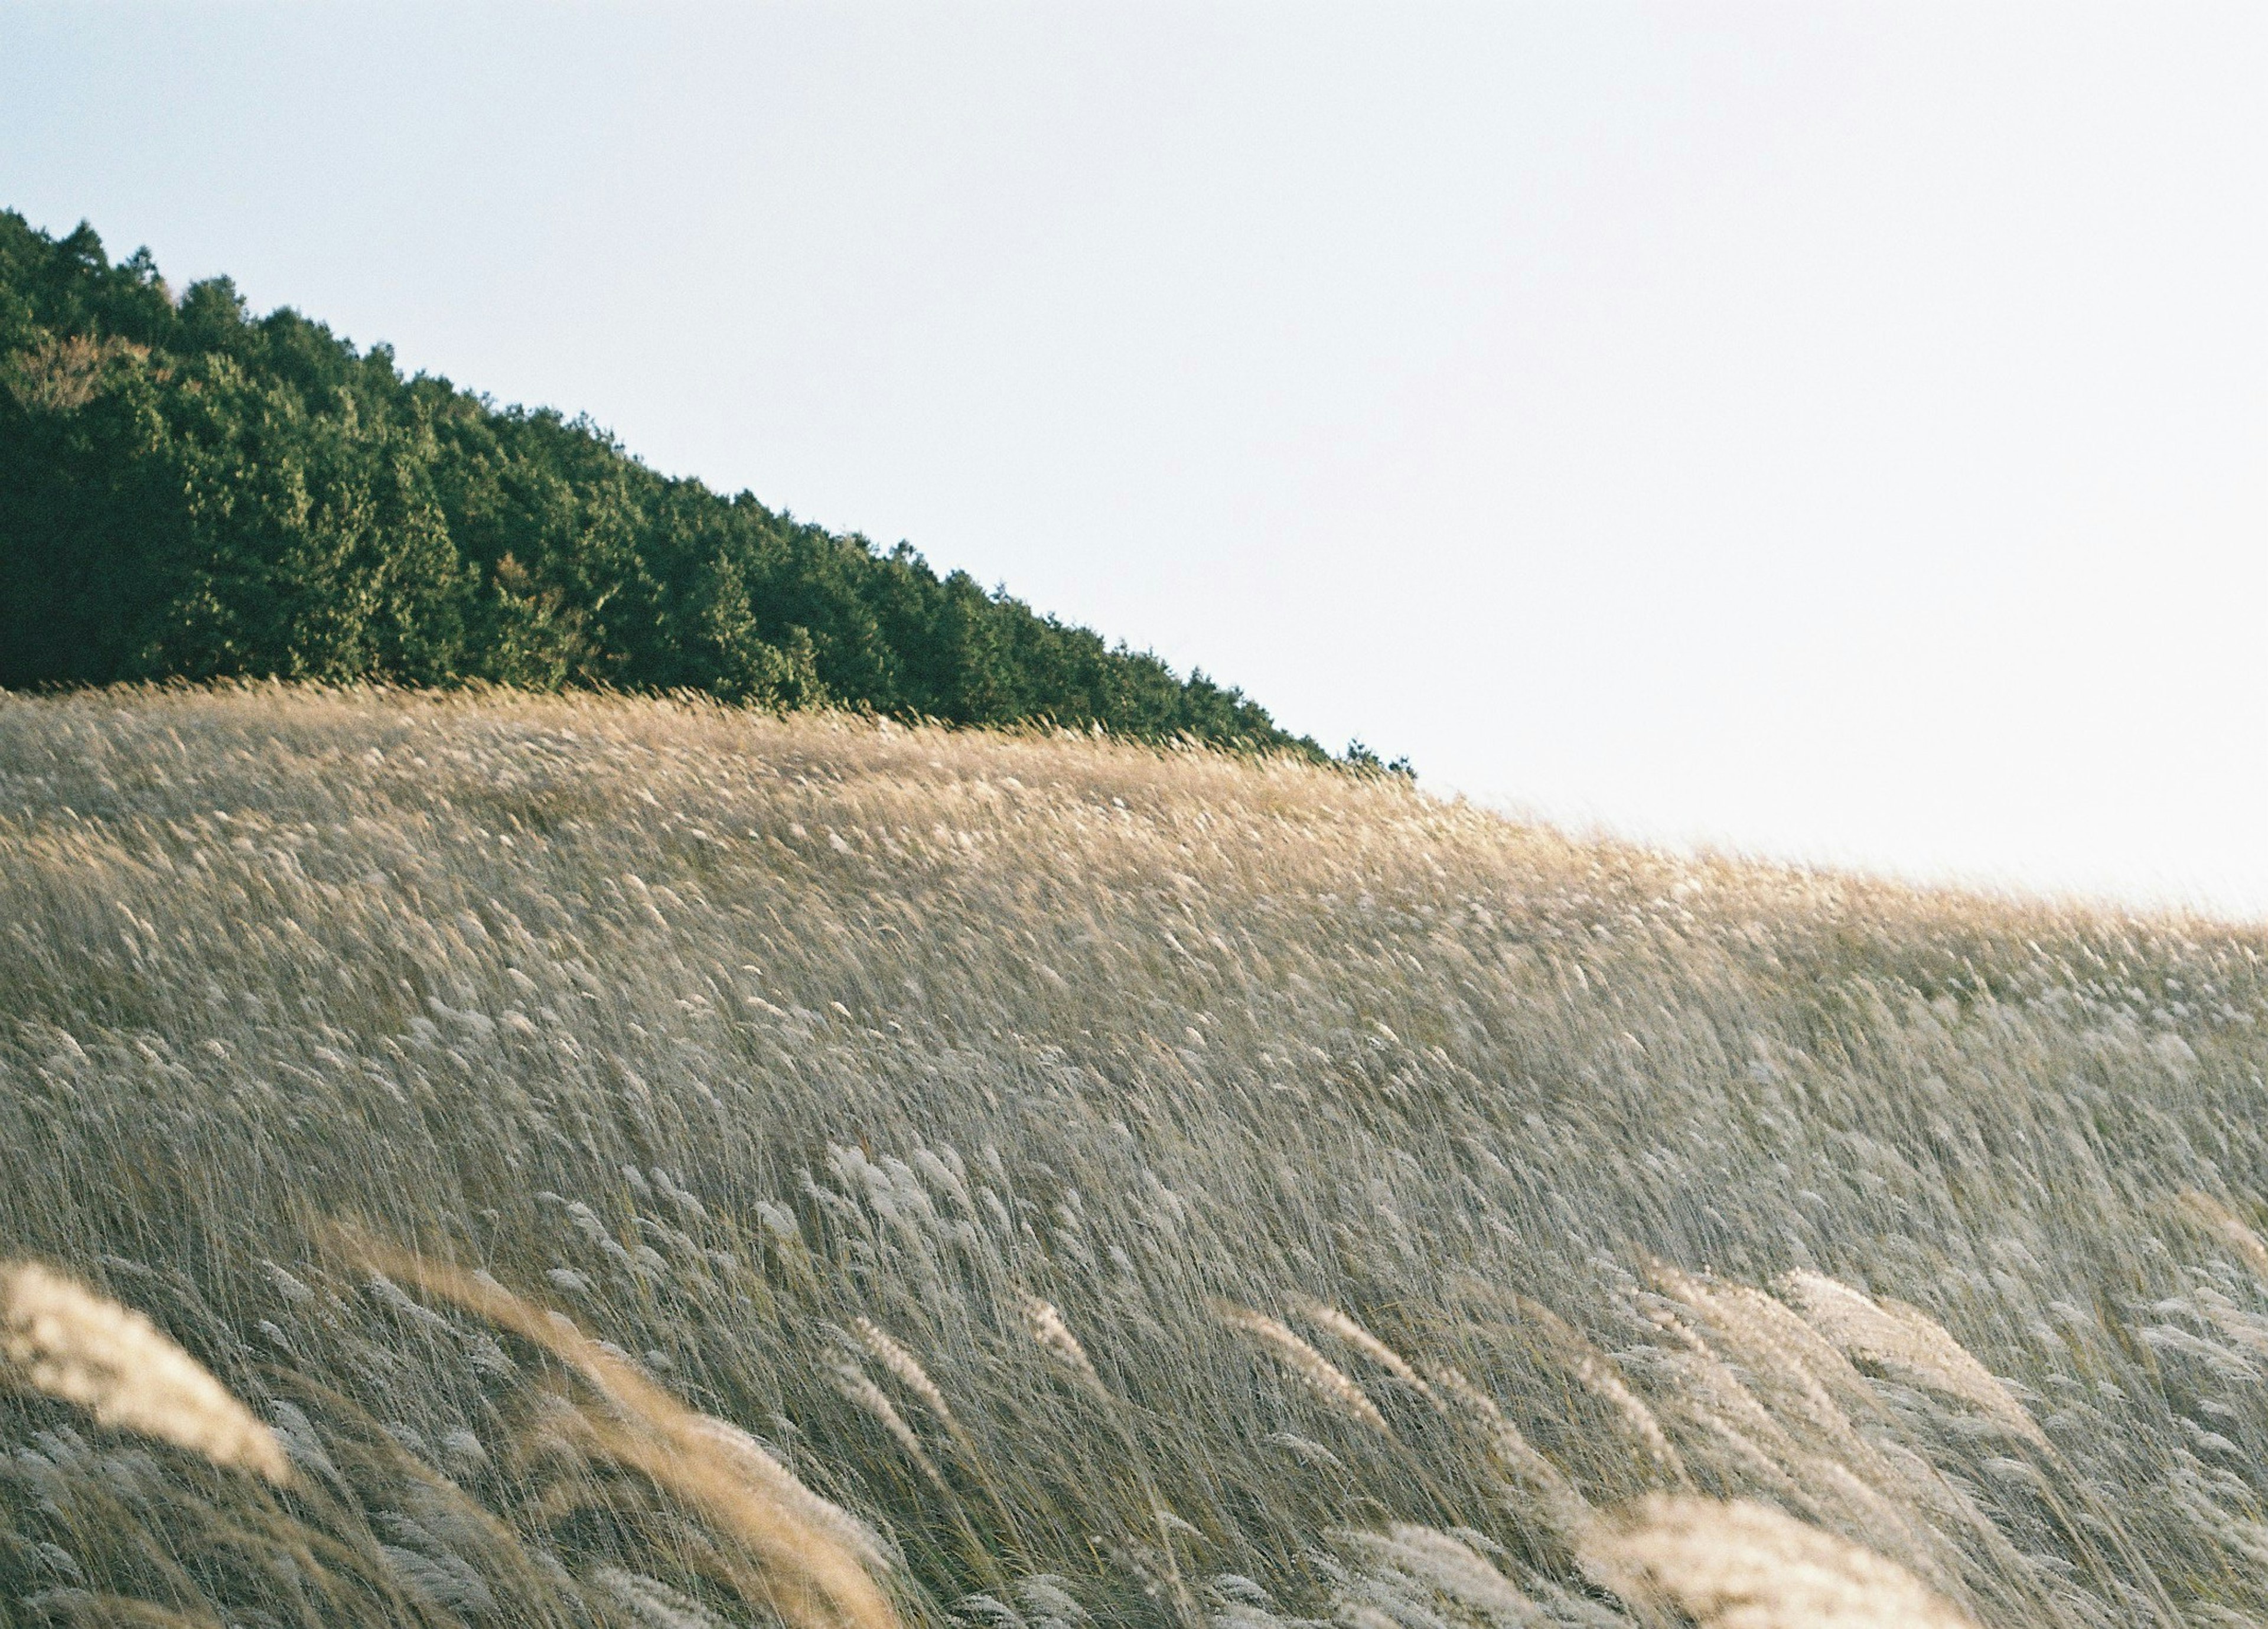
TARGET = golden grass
x,y
1746,1566
816,1565
1040,1181
1323,1377
59,1337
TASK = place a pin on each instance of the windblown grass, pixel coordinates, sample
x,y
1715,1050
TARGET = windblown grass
x,y
1747,1565
60,1337
637,1163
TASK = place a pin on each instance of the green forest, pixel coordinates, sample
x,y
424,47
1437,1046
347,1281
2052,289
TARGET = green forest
x,y
188,490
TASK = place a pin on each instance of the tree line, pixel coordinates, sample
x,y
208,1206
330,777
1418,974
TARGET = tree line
x,y
188,490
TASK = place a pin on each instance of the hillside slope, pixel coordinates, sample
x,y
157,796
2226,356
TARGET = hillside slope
x,y
188,490
1018,1137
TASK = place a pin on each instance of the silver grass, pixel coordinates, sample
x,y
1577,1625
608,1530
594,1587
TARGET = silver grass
x,y
1320,1375
1906,1342
1596,1373
2231,1229
63,1338
1322,1315
1747,1565
854,1384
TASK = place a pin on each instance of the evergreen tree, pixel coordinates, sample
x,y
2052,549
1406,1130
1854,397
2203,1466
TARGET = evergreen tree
x,y
188,490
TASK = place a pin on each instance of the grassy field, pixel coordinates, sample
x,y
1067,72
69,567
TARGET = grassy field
x,y
644,1164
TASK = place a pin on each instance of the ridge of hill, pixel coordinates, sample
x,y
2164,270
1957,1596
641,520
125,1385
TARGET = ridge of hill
x,y
188,491
1081,1183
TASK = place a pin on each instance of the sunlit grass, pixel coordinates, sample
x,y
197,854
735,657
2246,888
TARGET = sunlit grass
x,y
1055,1179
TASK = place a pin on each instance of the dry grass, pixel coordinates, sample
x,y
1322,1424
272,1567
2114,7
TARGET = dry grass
x,y
815,1564
58,1337
1323,1377
894,1114
1747,1565
1905,1342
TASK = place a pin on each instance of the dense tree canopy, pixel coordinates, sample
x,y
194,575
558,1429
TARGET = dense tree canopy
x,y
187,489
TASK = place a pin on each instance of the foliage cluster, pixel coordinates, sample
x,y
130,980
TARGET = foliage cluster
x,y
188,491
1120,1185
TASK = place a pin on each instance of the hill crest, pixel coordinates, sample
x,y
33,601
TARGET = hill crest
x,y
188,490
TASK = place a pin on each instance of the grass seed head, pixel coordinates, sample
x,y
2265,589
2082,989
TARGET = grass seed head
x,y
1905,1342
2224,1225
893,1356
61,1338
1322,1377
815,1564
1044,1324
1596,1373
1559,1500
852,1382
1323,1316
1747,1565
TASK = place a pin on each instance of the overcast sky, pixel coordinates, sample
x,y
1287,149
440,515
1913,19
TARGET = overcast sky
x,y
1830,432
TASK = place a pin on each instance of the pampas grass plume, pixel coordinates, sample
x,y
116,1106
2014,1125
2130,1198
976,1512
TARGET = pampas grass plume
x,y
1906,1342
1323,1316
892,1355
1747,1565
1595,1371
817,1566
2224,1225
1322,1377
852,1382
65,1340
1044,1324
1559,1500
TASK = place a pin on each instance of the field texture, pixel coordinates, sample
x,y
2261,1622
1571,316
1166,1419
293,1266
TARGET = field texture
x,y
634,1163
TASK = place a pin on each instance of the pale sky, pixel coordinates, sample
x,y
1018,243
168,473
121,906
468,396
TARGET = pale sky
x,y
1837,433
